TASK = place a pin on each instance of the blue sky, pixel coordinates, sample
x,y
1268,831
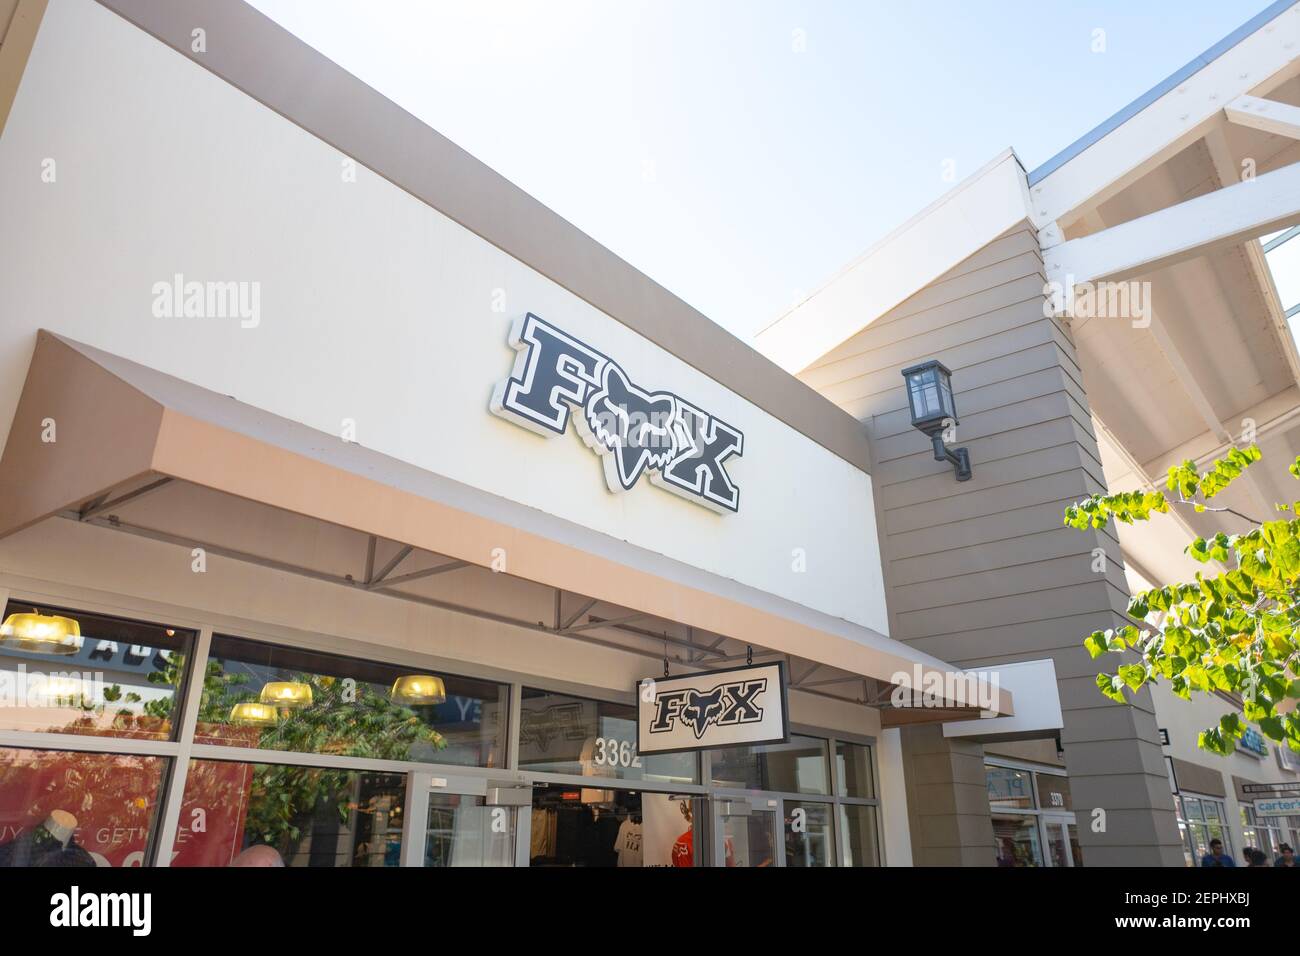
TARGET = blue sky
x,y
740,152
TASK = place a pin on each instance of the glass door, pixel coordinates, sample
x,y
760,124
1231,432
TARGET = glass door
x,y
746,832
463,822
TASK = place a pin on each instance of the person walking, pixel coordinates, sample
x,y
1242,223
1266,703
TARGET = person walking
x,y
1216,856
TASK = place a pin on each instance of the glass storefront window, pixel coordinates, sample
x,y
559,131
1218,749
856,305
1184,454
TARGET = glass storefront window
x,y
66,808
563,734
74,673
1076,851
1009,789
281,698
463,832
1016,841
809,836
798,766
579,826
1053,791
1202,821
1263,833
853,762
859,823
247,814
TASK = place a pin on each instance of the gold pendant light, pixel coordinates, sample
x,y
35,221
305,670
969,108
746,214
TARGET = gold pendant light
x,y
41,633
253,714
415,689
291,694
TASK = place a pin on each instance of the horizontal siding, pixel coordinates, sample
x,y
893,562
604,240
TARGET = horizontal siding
x,y
1018,522
984,572
1014,552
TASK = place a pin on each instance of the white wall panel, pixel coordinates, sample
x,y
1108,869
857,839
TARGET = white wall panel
x,y
374,307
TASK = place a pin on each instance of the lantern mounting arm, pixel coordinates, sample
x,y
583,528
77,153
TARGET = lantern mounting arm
x,y
958,457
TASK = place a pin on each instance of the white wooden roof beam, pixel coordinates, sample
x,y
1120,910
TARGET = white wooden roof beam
x,y
1229,171
1270,116
1200,401
1255,64
1226,217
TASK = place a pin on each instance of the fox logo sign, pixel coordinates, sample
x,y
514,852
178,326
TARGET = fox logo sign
x,y
726,704
635,431
713,709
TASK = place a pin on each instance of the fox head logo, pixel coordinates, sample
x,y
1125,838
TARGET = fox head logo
x,y
702,710
558,378
633,425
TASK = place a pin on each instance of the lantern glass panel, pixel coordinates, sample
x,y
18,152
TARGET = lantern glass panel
x,y
930,394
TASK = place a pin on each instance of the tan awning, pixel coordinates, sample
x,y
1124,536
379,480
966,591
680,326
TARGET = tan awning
x,y
120,428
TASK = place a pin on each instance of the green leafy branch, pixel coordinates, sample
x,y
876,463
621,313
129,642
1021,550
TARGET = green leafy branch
x,y
1236,633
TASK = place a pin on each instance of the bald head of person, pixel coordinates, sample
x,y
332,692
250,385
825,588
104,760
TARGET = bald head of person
x,y
259,855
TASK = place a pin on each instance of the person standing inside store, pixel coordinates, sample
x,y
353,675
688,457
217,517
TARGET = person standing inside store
x,y
1216,856
1288,856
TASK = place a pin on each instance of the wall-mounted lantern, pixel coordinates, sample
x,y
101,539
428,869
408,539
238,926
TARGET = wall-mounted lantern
x,y
929,393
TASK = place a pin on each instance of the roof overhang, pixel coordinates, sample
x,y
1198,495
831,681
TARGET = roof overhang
x,y
949,231
1166,201
95,433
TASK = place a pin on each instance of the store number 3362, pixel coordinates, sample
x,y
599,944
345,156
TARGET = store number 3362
x,y
612,752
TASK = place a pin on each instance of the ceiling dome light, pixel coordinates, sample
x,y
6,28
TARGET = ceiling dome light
x,y
414,689
41,633
286,693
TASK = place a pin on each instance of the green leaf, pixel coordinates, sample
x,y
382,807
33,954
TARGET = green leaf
x,y
1112,687
1134,675
1214,742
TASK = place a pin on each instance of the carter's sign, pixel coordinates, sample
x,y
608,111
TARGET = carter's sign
x,y
1278,807
635,430
743,705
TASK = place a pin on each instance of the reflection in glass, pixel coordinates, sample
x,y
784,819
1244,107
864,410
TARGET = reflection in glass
x,y
1076,851
1202,821
1054,792
560,733
117,679
1056,846
809,838
63,808
247,814
798,766
1009,789
1015,840
747,838
462,831
281,698
859,824
854,764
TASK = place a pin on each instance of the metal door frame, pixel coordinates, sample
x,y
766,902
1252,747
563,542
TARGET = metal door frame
x,y
421,783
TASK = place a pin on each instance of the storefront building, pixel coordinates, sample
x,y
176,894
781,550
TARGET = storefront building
x,y
357,510
1123,307
327,536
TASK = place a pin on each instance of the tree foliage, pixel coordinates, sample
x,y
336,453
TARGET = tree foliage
x,y
1235,632
348,718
